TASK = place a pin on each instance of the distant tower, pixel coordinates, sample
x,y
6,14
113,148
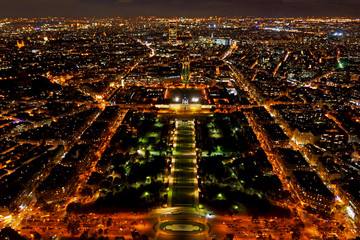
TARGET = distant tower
x,y
20,45
172,32
185,72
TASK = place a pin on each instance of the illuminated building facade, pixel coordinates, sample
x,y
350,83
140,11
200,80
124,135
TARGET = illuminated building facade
x,y
173,32
311,190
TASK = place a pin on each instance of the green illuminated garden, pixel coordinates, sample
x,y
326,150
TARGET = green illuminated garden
x,y
234,173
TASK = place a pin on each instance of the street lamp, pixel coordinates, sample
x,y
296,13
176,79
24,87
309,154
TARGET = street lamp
x,y
220,196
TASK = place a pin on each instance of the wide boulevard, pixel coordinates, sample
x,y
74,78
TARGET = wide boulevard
x,y
184,220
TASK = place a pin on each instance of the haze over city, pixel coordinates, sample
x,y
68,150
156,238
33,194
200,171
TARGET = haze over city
x,y
180,8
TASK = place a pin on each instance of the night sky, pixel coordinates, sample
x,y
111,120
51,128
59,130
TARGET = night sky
x,y
186,8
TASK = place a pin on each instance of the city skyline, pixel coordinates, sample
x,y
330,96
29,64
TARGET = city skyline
x,y
204,128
